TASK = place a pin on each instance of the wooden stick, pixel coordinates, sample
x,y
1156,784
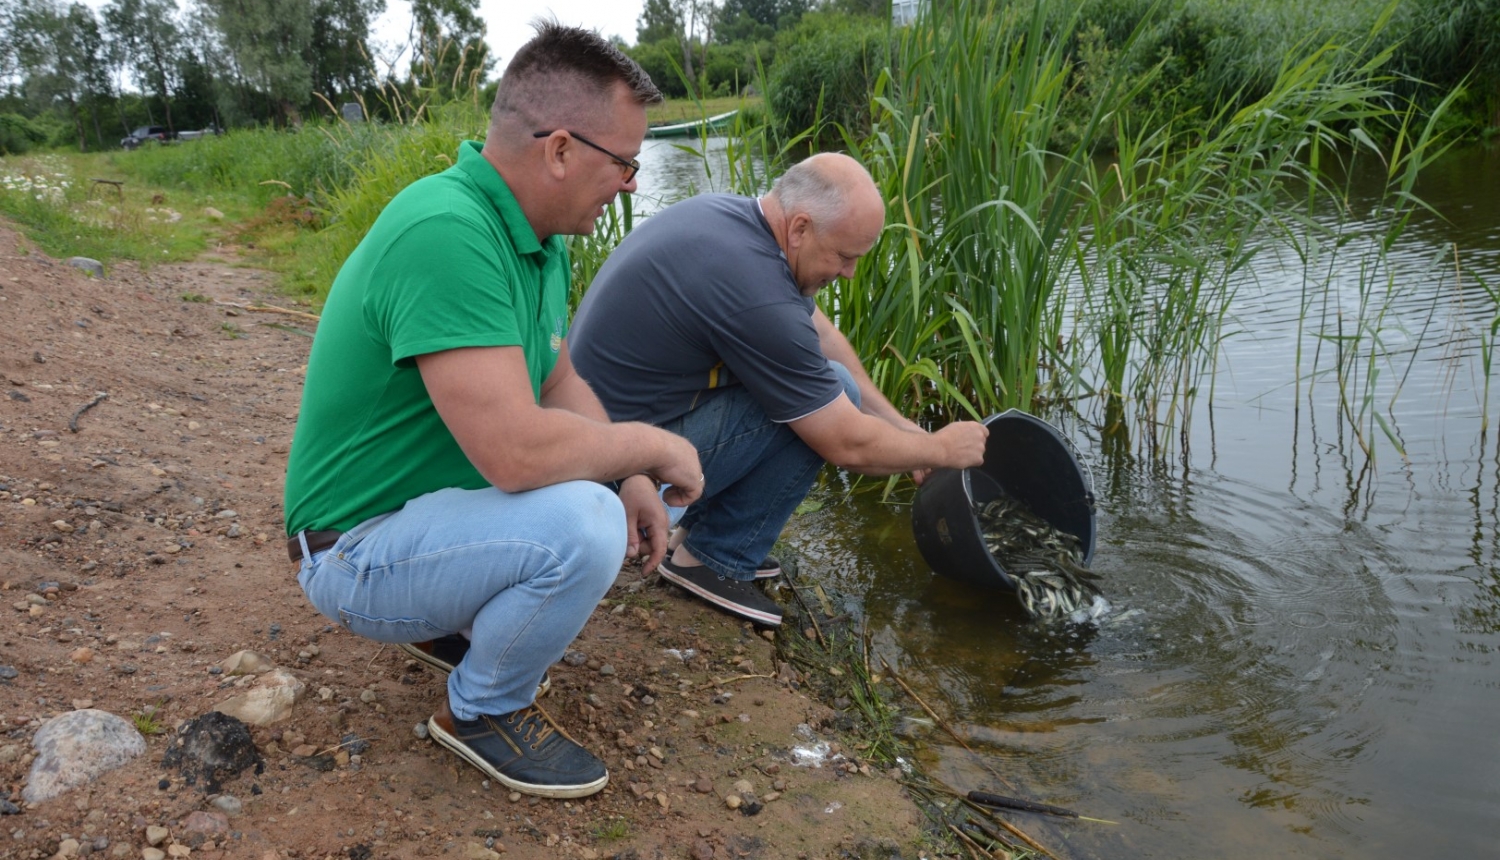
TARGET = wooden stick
x,y
721,682
269,309
939,720
73,422
1021,836
974,847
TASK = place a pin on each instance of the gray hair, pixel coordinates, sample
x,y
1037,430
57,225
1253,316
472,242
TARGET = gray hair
x,y
562,78
805,187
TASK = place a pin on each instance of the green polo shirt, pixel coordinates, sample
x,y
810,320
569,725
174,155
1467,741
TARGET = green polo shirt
x,y
451,262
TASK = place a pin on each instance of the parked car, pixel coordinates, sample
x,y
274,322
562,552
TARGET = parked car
x,y
157,133
211,131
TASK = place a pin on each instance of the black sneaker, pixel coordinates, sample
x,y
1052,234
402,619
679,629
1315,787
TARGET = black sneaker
x,y
741,598
445,652
524,750
768,568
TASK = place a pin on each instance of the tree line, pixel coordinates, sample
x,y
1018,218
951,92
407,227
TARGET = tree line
x,y
72,77
68,74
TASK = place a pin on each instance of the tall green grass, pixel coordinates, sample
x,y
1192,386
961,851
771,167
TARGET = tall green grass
x,y
1017,273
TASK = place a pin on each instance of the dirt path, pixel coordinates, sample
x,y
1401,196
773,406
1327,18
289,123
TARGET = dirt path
x,y
142,550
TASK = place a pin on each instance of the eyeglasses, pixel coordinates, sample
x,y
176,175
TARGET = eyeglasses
x,y
629,166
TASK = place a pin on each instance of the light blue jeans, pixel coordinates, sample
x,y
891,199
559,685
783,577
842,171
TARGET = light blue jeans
x,y
755,471
523,571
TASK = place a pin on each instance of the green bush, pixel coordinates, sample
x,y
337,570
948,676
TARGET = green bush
x,y
825,72
19,134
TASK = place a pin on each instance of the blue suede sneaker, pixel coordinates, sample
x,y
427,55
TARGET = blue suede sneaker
x,y
523,750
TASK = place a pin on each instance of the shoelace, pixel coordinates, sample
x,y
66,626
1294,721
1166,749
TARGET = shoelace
x,y
535,726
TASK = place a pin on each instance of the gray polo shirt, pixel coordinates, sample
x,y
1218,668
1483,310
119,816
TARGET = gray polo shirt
x,y
696,300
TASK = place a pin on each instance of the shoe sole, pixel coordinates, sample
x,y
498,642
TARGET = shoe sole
x,y
442,666
562,792
734,608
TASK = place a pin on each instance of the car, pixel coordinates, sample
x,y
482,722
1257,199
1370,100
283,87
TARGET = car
x,y
211,131
157,133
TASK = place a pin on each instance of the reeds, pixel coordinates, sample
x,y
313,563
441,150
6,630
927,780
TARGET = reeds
x,y
1017,273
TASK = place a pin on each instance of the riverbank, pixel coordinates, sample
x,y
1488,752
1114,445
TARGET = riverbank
x,y
143,433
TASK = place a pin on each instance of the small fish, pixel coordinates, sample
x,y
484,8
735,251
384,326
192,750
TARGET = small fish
x,y
1044,563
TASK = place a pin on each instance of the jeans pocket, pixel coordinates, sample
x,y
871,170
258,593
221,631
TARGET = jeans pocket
x,y
394,630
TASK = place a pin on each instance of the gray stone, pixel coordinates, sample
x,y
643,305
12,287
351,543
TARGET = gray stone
x,y
93,267
75,748
228,804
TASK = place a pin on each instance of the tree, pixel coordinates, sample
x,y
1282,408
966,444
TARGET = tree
x,y
340,64
659,21
451,54
150,43
269,41
54,51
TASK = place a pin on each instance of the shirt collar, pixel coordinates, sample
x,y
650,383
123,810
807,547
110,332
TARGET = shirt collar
x,y
488,180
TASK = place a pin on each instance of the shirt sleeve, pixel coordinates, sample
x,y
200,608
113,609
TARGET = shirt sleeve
x,y
440,285
773,351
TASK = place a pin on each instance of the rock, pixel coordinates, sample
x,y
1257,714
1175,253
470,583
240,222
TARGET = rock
x,y
420,730
153,854
702,850
246,663
212,214
229,804
210,824
63,526
269,701
93,267
212,748
67,848
82,655
156,835
74,748
732,801
475,851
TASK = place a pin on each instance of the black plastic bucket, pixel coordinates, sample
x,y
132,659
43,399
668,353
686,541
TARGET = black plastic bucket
x,y
1025,458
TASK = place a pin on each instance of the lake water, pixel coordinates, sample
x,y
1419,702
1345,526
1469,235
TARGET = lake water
x,y
1311,672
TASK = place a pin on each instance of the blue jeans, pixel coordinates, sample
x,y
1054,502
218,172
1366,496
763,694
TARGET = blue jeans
x,y
523,571
756,472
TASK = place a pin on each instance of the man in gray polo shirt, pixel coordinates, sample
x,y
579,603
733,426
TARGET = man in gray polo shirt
x,y
703,323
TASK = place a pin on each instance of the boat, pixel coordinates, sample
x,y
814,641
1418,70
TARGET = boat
x,y
692,129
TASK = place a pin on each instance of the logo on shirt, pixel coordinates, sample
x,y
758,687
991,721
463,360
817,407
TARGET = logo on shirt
x,y
557,334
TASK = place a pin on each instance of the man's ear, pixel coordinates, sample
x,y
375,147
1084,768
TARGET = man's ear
x,y
797,229
555,155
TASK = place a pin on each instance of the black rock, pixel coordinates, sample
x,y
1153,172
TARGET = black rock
x,y
213,747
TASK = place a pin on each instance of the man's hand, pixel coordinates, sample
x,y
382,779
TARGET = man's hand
x,y
963,443
681,470
645,521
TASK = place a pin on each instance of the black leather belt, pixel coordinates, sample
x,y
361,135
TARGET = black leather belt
x,y
316,542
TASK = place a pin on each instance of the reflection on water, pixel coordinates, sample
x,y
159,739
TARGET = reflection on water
x,y
1300,662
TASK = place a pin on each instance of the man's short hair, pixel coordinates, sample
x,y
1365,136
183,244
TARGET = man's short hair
x,y
560,78
806,188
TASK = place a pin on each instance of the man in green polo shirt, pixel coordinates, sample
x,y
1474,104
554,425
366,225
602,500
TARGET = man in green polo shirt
x,y
446,489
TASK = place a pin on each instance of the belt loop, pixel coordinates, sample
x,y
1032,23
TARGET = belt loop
x,y
306,553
